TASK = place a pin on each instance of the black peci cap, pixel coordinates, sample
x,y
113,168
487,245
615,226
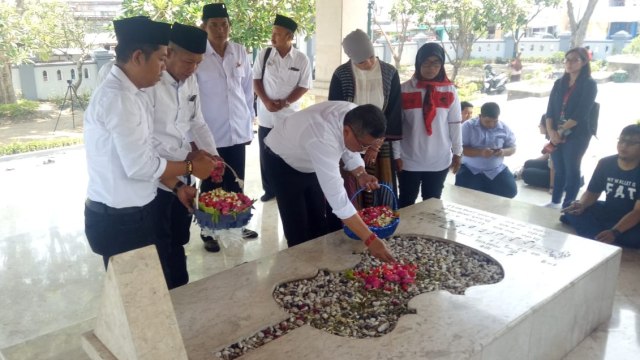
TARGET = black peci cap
x,y
286,22
215,10
190,38
141,30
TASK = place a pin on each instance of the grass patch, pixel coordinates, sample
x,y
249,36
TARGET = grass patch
x,y
35,145
467,90
22,108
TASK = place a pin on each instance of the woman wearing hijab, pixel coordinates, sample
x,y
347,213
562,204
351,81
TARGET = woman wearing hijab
x,y
364,79
568,111
431,118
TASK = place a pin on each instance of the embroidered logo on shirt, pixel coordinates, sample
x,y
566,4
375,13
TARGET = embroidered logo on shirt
x,y
443,99
412,100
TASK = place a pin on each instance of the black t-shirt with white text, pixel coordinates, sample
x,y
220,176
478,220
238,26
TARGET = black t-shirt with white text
x,y
619,185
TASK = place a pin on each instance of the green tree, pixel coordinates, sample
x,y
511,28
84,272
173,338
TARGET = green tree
x,y
56,28
251,20
31,30
465,21
403,13
633,48
15,47
516,15
579,26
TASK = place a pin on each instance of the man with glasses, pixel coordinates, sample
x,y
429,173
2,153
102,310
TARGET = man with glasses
x,y
303,152
226,94
615,220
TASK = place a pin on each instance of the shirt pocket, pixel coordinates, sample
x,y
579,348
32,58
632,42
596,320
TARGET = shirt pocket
x,y
238,73
292,78
498,142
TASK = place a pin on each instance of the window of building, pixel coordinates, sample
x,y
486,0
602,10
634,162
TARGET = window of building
x,y
45,76
73,74
86,73
59,74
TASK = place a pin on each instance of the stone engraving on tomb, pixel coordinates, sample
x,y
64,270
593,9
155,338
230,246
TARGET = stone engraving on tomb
x,y
496,233
368,300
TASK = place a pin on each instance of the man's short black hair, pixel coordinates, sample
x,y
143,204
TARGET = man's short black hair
x,y
465,104
366,120
631,131
125,51
491,110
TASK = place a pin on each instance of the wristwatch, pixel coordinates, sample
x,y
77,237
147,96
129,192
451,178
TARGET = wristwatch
x,y
189,168
616,232
177,187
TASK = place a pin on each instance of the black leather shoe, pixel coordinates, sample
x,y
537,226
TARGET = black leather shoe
x,y
267,197
212,245
249,234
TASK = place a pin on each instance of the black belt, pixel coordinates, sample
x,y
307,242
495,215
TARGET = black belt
x,y
105,209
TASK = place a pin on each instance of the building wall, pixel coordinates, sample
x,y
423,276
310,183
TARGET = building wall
x,y
491,50
53,85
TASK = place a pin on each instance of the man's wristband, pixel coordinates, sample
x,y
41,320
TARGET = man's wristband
x,y
370,239
177,187
616,232
189,168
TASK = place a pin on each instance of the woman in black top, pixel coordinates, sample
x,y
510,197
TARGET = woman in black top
x,y
365,79
568,112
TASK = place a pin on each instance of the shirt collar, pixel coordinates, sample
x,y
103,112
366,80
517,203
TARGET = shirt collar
x,y
127,84
168,79
289,54
227,50
477,123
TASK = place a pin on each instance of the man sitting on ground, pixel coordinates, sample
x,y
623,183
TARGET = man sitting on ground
x,y
486,141
615,220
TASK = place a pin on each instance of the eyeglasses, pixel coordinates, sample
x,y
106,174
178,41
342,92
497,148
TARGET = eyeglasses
x,y
628,142
363,147
431,64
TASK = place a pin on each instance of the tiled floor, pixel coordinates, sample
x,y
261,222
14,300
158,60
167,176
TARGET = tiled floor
x,y
51,282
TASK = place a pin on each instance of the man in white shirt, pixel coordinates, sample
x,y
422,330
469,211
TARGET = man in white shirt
x,y
303,153
177,121
124,169
226,91
279,85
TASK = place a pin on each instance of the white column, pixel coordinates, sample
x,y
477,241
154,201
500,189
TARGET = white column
x,y
334,20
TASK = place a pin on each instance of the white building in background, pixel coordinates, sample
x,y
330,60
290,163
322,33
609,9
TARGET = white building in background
x,y
46,81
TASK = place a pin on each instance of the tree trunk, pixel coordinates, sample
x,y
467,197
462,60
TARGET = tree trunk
x,y
579,28
7,93
79,65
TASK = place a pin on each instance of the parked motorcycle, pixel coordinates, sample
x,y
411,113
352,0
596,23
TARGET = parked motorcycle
x,y
494,83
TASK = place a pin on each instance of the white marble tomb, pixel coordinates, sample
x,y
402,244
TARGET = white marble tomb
x,y
556,290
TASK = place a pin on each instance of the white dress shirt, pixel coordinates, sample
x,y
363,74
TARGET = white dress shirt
x,y
124,169
419,151
178,119
312,140
281,76
226,92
